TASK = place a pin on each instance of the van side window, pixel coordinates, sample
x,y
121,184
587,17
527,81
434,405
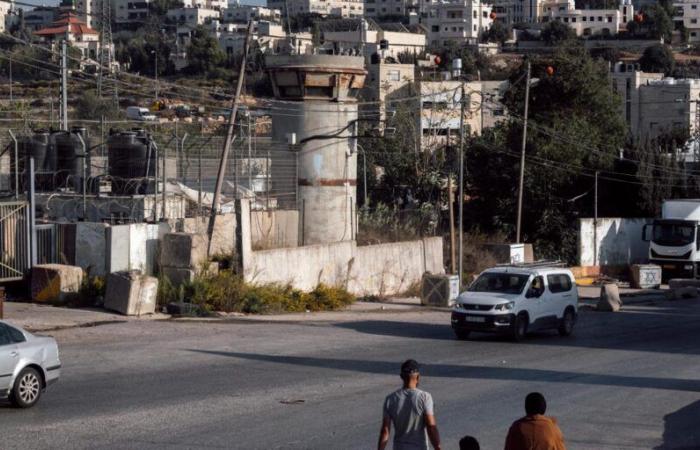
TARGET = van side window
x,y
559,282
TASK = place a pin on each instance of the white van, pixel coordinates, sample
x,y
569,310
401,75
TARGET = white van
x,y
517,299
140,114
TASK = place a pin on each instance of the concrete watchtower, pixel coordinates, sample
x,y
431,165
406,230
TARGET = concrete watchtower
x,y
320,94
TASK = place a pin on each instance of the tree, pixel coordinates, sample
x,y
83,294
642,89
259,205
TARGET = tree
x,y
656,24
575,128
204,55
497,33
555,32
89,106
658,58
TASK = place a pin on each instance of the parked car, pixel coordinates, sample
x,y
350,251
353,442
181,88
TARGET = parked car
x,y
515,300
28,364
140,114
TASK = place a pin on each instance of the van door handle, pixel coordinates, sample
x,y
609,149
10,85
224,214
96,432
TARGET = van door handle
x,y
14,354
567,295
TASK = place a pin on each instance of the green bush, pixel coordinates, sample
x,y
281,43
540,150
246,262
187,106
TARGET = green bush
x,y
226,291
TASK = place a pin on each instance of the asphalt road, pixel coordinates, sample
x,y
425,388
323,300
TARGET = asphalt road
x,y
624,381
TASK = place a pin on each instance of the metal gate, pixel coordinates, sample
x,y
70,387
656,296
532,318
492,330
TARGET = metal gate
x,y
14,240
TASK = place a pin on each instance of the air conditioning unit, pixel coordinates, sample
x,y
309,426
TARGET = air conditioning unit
x,y
439,290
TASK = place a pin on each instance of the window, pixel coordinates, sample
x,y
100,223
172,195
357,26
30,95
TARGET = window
x,y
393,75
485,14
474,15
609,19
693,33
600,18
506,283
434,28
573,19
566,19
559,282
583,19
693,20
694,7
9,335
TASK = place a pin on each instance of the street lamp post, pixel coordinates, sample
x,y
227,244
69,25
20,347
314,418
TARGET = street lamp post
x,y
155,57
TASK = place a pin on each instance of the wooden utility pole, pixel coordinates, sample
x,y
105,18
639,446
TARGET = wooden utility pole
x,y
595,220
461,184
229,138
450,201
64,87
522,157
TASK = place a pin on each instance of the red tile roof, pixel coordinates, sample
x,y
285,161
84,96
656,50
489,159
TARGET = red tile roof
x,y
60,26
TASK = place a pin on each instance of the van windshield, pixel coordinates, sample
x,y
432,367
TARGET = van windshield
x,y
504,283
673,234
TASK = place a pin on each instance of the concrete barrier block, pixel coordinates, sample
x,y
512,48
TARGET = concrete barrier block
x,y
131,293
685,292
55,282
609,298
646,276
177,275
676,283
183,250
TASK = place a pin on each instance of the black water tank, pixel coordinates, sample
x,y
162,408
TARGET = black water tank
x,y
132,159
37,146
69,158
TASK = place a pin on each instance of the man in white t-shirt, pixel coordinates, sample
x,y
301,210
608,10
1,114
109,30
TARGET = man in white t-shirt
x,y
411,412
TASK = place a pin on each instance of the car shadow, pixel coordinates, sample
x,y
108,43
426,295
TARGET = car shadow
x,y
681,431
469,371
671,328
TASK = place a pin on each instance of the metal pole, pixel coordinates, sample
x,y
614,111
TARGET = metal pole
x,y
64,87
199,177
10,80
460,262
229,138
14,140
522,157
450,197
595,221
164,177
82,142
32,215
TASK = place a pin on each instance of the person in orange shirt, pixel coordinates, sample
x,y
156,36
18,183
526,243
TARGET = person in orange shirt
x,y
535,431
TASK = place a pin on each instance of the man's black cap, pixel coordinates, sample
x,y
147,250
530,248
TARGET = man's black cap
x,y
409,367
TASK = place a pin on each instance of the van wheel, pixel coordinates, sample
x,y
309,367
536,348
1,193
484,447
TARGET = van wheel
x,y
566,327
520,328
462,335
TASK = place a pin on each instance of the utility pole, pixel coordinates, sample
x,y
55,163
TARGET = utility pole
x,y
461,184
64,87
10,80
522,157
595,220
450,201
229,138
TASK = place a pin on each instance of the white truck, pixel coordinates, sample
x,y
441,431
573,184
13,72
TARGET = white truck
x,y
139,114
674,242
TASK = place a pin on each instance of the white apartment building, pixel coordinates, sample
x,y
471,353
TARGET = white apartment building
x,y
587,22
440,108
192,16
340,8
376,42
130,11
204,4
457,21
245,13
380,8
40,17
652,104
688,14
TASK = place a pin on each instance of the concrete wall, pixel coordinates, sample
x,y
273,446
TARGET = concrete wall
x,y
614,241
385,269
274,229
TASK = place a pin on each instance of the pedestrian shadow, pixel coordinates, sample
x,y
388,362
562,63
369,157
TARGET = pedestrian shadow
x,y
470,372
681,431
